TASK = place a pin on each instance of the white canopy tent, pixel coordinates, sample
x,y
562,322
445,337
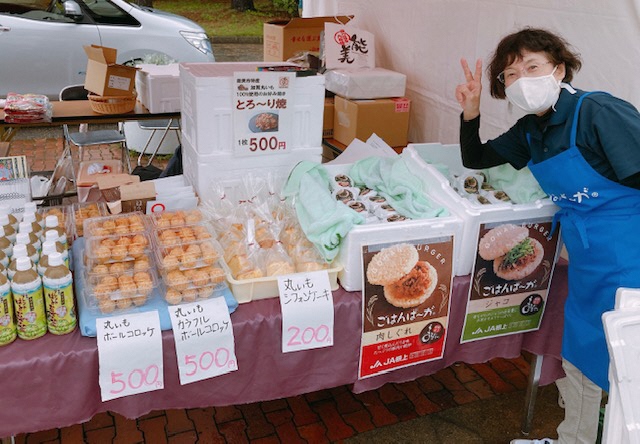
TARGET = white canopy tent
x,y
425,40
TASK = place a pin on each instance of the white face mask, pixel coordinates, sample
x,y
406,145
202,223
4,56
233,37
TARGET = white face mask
x,y
534,94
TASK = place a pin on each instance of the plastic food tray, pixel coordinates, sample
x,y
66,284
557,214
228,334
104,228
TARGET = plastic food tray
x,y
248,290
120,224
82,211
178,218
111,297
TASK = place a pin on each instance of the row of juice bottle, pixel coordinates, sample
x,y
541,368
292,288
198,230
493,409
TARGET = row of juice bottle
x,y
36,285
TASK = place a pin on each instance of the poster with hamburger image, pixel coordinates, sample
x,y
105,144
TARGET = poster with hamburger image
x,y
406,299
510,279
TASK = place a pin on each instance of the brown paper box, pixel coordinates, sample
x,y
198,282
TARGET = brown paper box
x,y
388,118
285,38
104,76
135,197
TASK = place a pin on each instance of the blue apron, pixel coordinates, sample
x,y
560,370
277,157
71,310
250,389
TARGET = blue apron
x,y
600,220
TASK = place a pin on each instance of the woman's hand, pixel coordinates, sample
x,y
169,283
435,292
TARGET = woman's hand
x,y
468,94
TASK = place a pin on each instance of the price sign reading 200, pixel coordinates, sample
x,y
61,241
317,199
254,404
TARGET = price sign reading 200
x,y
135,379
310,336
266,144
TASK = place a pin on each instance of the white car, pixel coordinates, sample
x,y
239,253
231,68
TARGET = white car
x,y
41,41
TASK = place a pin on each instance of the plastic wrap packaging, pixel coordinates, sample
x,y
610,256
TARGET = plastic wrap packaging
x,y
366,83
27,108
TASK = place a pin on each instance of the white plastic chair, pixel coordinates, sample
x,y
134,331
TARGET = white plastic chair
x,y
85,137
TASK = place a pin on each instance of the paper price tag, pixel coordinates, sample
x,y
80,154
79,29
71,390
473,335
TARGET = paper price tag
x,y
129,354
203,334
307,311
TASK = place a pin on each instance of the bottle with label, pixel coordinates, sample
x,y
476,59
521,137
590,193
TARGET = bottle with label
x,y
58,293
9,231
52,235
48,247
34,239
32,252
51,223
31,207
4,261
6,209
28,301
20,250
30,218
5,244
8,330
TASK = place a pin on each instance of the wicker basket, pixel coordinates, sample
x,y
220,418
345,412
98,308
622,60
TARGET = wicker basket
x,y
112,104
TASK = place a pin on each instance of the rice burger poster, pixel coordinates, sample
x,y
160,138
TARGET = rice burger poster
x,y
510,279
406,300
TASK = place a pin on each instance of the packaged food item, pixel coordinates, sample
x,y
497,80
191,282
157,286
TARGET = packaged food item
x,y
8,330
57,283
28,301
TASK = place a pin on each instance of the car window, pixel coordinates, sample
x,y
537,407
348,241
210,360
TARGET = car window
x,y
106,13
34,10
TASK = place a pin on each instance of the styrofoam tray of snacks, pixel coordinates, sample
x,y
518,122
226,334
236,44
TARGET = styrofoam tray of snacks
x,y
253,289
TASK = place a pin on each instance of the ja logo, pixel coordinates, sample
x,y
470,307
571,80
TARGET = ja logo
x,y
531,305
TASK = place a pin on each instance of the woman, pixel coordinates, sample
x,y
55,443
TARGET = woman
x,y
584,150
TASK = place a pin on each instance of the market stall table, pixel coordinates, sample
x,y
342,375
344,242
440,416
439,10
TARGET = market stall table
x,y
52,382
79,111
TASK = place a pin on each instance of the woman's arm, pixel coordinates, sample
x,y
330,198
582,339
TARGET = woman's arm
x,y
475,154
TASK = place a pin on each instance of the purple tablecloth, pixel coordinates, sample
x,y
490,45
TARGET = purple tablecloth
x,y
52,382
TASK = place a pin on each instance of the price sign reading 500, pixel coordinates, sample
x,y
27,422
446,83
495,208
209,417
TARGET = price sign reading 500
x,y
212,363
257,144
135,379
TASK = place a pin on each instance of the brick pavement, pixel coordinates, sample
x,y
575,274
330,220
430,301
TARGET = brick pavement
x,y
329,415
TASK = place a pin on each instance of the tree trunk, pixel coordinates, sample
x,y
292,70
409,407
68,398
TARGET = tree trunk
x,y
243,5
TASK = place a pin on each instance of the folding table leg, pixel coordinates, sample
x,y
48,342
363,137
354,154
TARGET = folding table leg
x,y
532,391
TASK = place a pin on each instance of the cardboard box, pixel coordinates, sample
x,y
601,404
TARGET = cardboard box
x,y
104,76
327,118
283,39
388,118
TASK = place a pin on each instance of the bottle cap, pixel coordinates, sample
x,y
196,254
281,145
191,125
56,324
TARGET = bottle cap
x,y
23,264
19,250
22,238
55,259
52,235
51,221
29,216
48,247
4,219
30,207
25,227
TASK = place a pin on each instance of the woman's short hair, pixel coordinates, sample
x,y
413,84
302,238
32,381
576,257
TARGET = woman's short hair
x,y
511,47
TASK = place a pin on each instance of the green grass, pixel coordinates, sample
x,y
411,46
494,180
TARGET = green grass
x,y
219,19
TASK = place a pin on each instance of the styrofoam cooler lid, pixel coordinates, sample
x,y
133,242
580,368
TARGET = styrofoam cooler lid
x,y
628,298
622,330
169,70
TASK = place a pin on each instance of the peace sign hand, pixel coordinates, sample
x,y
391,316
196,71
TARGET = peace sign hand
x,y
468,94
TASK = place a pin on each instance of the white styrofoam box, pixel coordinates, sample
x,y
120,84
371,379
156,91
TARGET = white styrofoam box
x,y
622,330
366,83
207,107
158,87
202,171
472,214
350,256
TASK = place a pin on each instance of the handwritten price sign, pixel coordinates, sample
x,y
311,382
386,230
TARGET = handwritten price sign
x,y
130,354
204,340
307,311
